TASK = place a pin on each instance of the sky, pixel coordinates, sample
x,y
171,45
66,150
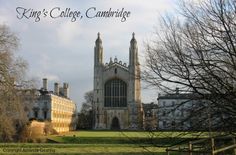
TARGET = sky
x,y
62,50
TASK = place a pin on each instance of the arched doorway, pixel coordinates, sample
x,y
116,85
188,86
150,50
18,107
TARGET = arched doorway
x,y
115,125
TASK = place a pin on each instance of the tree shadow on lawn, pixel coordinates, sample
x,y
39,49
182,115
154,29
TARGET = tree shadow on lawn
x,y
158,142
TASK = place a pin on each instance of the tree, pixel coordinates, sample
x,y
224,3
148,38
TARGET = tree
x,y
87,105
197,52
12,70
85,120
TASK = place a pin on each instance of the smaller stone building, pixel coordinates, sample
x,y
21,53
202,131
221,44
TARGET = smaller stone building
x,y
173,110
55,107
185,111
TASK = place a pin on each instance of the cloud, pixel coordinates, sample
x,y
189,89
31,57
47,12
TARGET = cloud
x,y
67,32
61,50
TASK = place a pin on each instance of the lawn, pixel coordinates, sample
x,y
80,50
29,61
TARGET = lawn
x,y
101,143
160,139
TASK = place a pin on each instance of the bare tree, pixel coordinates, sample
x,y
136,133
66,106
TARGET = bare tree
x,y
197,52
12,70
87,105
86,116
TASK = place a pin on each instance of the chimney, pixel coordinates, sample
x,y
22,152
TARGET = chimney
x,y
56,88
61,91
66,90
45,84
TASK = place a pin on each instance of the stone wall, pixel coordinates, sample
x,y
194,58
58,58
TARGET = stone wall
x,y
37,129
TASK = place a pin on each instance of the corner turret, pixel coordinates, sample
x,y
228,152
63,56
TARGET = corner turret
x,y
98,51
133,52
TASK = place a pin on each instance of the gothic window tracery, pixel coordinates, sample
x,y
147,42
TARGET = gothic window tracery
x,y
115,93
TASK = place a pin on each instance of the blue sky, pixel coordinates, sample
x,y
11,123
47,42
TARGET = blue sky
x,y
61,50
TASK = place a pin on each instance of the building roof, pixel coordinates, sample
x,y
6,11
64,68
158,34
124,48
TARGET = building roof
x,y
179,96
149,106
116,63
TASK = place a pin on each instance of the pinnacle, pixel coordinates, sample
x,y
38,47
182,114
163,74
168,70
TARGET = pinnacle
x,y
99,40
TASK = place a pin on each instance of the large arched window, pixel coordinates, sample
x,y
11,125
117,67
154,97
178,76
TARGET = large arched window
x,y
115,93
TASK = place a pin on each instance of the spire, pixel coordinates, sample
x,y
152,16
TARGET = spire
x,y
99,40
133,40
133,51
115,60
98,51
110,60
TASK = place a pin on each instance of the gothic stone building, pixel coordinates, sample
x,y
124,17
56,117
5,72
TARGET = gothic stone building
x,y
117,93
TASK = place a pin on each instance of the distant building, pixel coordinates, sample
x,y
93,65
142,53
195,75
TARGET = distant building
x,y
117,92
150,120
188,111
176,111
55,107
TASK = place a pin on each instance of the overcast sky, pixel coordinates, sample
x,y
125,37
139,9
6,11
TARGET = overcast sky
x,y
62,50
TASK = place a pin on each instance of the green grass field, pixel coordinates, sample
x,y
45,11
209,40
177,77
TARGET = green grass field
x,y
102,142
160,139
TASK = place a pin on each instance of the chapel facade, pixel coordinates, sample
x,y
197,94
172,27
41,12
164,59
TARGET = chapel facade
x,y
117,92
